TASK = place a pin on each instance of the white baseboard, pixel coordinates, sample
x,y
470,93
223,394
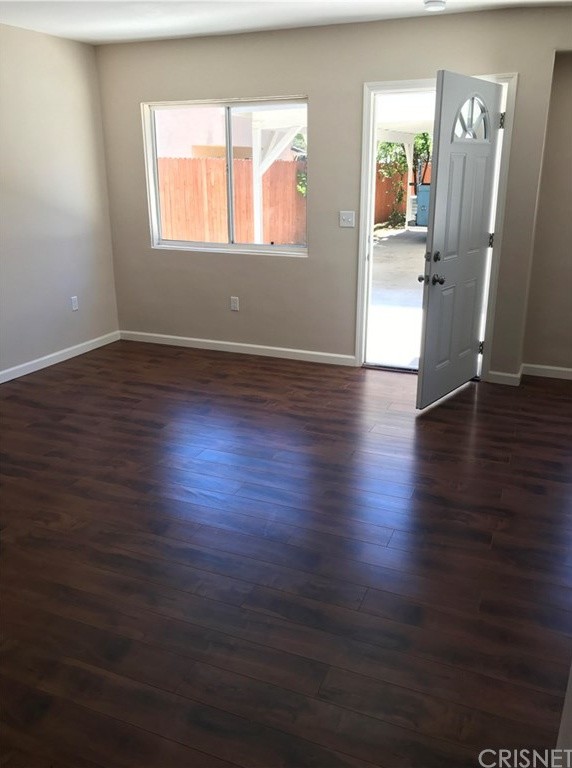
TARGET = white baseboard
x,y
493,377
548,371
499,377
528,369
246,349
57,357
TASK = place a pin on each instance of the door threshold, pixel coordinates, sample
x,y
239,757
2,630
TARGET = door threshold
x,y
390,368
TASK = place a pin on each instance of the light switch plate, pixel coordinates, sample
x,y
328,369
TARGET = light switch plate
x,y
347,218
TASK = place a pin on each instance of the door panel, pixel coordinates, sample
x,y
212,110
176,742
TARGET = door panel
x,y
453,214
466,326
477,224
447,303
465,141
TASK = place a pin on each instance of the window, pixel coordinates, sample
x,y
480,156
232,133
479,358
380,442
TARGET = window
x,y
472,121
228,176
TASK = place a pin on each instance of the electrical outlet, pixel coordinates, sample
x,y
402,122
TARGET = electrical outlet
x,y
74,304
347,218
234,303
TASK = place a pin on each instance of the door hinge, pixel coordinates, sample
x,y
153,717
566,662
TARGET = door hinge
x,y
502,119
481,347
491,239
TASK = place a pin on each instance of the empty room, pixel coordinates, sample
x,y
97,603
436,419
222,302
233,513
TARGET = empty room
x,y
286,384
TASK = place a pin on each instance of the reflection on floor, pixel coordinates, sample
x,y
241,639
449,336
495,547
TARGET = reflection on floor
x,y
394,317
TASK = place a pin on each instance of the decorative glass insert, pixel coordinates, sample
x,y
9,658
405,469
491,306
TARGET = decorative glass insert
x,y
472,121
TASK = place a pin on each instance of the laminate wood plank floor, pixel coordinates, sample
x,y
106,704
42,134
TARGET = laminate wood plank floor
x,y
223,560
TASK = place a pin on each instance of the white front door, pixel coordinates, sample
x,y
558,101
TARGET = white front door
x,y
465,137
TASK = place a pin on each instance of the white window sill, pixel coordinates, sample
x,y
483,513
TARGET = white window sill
x,y
290,251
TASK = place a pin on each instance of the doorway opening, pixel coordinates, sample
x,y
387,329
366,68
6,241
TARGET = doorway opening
x,y
373,281
403,126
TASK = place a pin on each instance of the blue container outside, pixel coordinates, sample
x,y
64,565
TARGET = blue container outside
x,y
422,218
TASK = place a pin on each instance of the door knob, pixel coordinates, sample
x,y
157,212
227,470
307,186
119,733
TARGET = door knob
x,y
436,279
437,256
423,278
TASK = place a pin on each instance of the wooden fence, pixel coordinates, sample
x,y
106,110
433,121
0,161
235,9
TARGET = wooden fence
x,y
385,196
194,201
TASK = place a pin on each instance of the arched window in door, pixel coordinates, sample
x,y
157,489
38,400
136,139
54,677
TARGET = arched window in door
x,y
472,121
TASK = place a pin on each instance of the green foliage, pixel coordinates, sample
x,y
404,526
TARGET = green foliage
x,y
421,154
299,144
396,219
392,159
392,162
422,148
393,165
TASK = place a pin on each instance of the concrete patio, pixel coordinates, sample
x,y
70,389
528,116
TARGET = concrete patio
x,y
394,315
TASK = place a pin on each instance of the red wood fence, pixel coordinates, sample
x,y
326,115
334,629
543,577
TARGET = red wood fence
x,y
194,203
385,196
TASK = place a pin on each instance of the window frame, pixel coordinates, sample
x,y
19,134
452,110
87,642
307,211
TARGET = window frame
x,y
151,177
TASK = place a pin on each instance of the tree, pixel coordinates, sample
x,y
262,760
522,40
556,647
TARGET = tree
x,y
300,146
392,162
393,165
421,155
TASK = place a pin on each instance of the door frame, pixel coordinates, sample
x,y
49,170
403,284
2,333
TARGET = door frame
x,y
367,200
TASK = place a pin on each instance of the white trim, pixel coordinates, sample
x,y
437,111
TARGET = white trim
x,y
293,251
511,82
493,377
148,125
148,110
401,86
500,377
230,102
57,357
365,225
370,90
244,349
548,371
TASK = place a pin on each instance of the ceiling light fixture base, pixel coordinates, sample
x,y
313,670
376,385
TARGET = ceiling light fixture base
x,y
434,5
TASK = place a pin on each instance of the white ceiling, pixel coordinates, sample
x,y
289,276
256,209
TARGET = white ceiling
x,y
109,21
404,113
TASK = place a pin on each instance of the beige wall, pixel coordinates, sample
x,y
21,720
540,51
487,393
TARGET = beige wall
x,y
311,303
549,320
55,235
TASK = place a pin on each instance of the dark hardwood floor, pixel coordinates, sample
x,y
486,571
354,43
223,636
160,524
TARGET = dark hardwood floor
x,y
218,560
